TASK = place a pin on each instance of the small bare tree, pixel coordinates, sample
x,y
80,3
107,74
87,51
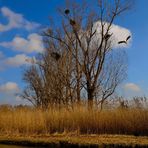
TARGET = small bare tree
x,y
49,81
113,73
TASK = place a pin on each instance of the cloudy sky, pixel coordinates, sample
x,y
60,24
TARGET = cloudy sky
x,y
21,22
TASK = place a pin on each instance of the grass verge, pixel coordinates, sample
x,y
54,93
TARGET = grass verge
x,y
54,141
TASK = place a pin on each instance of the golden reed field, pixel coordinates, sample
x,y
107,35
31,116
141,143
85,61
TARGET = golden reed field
x,y
30,121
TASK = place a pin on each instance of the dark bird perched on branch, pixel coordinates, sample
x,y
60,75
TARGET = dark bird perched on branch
x,y
72,22
55,55
125,42
107,36
67,11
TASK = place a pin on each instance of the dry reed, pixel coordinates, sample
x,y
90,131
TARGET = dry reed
x,y
29,121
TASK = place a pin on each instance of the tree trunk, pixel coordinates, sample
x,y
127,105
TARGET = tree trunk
x,y
77,75
101,105
90,94
78,92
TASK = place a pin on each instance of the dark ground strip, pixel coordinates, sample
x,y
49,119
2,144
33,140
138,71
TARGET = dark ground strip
x,y
65,144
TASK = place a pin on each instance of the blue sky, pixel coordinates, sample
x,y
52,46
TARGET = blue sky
x,y
33,15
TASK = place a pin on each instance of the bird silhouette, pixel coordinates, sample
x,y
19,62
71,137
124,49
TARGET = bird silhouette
x,y
121,42
128,38
124,42
72,22
107,36
67,11
55,55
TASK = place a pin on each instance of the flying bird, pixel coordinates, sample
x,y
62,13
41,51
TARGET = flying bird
x,y
125,42
67,11
72,22
121,42
55,55
128,38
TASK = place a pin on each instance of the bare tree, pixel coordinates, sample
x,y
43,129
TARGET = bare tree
x,y
48,79
81,47
113,73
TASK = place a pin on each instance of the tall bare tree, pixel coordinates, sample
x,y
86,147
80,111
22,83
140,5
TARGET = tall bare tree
x,y
81,47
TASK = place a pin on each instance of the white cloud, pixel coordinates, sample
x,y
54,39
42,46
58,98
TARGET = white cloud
x,y
118,34
132,87
9,87
33,43
8,94
16,61
15,20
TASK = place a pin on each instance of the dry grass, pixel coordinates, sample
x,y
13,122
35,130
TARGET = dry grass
x,y
78,121
77,141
